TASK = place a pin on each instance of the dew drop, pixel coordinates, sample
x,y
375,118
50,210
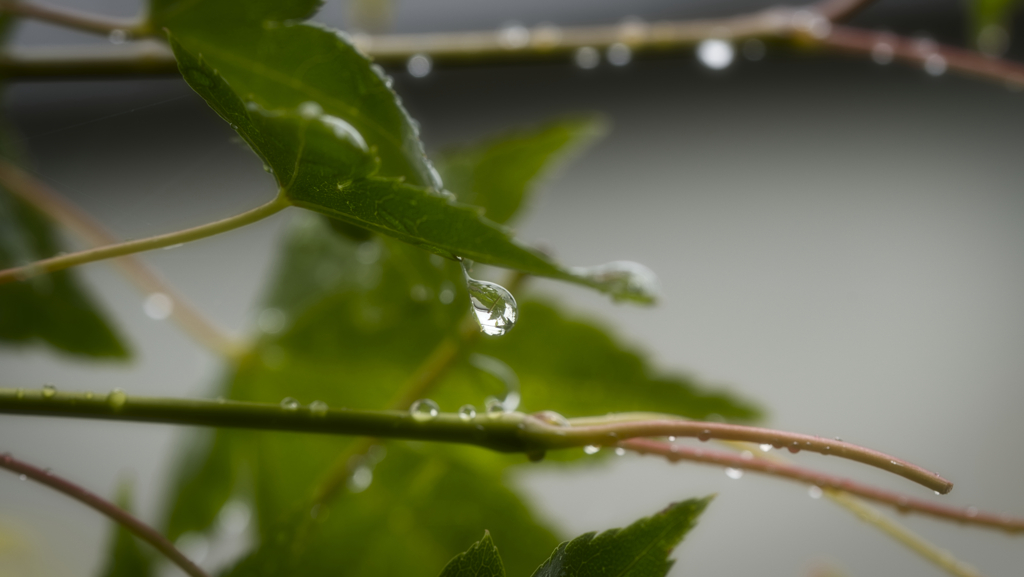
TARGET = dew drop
x,y
586,57
116,399
715,54
289,404
49,391
620,451
117,36
424,410
623,280
158,306
503,373
318,409
552,418
361,479
22,477
272,320
494,407
591,449
935,65
704,435
765,447
513,36
467,412
882,53
419,65
753,49
619,54
733,473
814,492
493,306
794,448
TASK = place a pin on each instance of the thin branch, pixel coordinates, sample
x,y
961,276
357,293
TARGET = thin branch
x,y
117,514
839,10
884,46
131,247
902,503
900,533
612,433
61,210
70,18
506,432
145,57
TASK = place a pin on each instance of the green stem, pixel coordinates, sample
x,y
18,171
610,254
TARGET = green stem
x,y
75,19
119,515
61,262
506,432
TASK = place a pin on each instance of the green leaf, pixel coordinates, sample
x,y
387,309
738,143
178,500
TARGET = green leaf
x,y
640,550
346,148
126,557
52,308
206,477
480,560
419,510
498,174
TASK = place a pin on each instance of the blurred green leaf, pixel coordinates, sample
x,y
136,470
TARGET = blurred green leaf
x,y
206,477
640,550
417,513
126,557
53,308
499,174
480,560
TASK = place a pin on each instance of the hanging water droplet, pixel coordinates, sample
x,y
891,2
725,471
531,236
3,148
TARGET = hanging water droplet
x,y
704,435
619,54
552,418
272,320
814,492
116,399
623,280
882,53
620,451
753,49
117,36
318,409
503,373
587,57
935,65
289,404
158,306
715,53
794,447
733,473
591,449
424,410
765,447
361,479
419,65
49,391
467,412
493,306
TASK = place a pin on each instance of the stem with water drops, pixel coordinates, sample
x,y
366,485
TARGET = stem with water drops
x,y
54,205
117,514
62,262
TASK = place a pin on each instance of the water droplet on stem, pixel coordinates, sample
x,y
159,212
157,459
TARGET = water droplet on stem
x,y
116,399
318,409
49,391
289,404
715,54
467,412
424,410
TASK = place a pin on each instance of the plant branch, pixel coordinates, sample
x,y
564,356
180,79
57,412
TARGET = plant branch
x,y
506,432
900,533
134,246
70,18
119,515
968,515
61,210
839,10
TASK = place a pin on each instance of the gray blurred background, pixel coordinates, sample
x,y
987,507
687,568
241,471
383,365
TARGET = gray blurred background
x,y
839,241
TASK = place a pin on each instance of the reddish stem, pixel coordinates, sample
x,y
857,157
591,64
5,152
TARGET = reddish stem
x,y
752,463
126,519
